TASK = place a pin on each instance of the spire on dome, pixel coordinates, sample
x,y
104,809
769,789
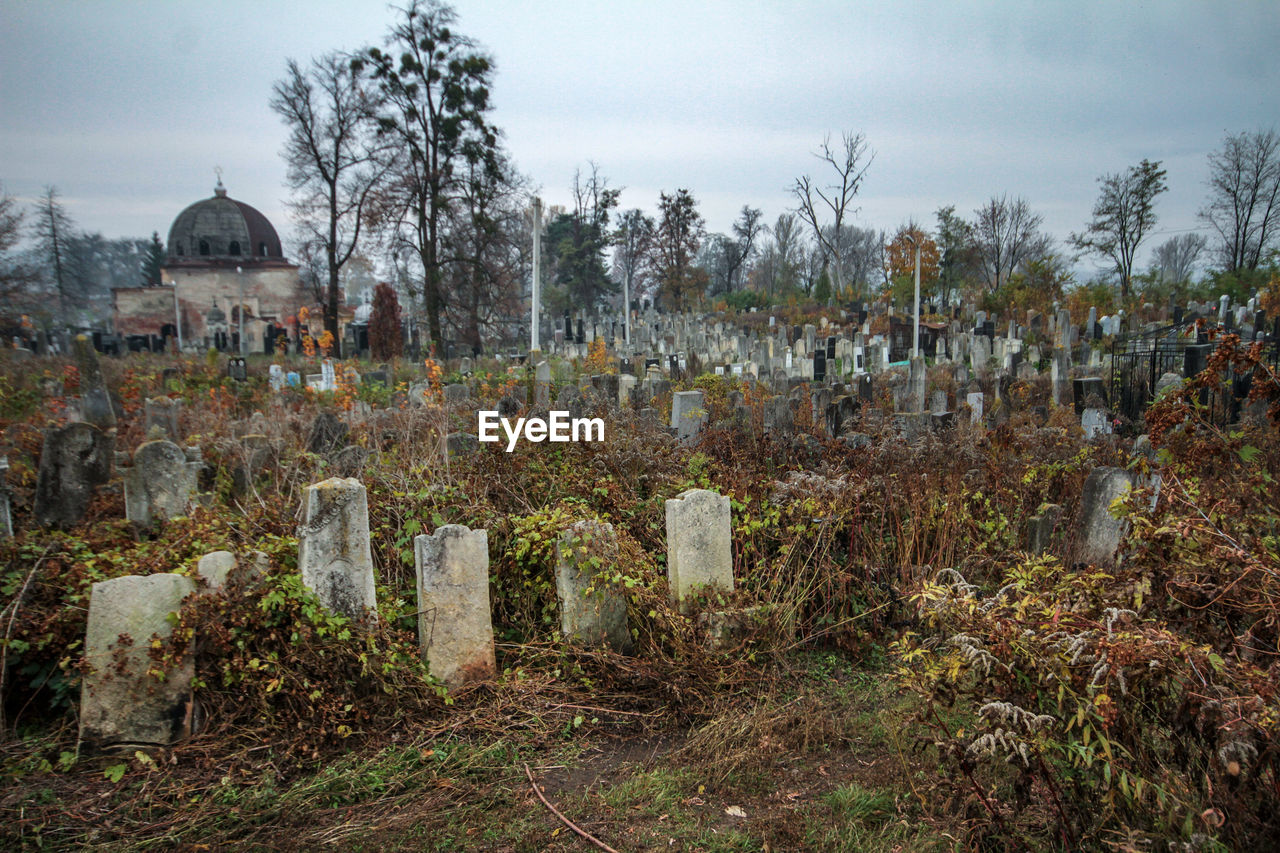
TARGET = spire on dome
x,y
219,191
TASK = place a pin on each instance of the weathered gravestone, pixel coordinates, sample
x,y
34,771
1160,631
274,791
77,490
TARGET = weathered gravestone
x,y
699,544
333,548
6,514
542,386
593,608
216,567
160,484
455,626
120,704
688,414
95,402
1095,423
75,459
1040,529
1100,532
161,414
328,434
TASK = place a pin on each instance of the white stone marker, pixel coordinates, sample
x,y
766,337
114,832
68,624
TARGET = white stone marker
x,y
333,548
593,609
699,546
120,705
216,566
455,624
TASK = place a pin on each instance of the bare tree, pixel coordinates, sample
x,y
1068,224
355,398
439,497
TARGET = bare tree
x,y
53,231
789,243
1122,216
631,244
1244,197
1006,233
16,276
1176,258
850,164
335,162
738,251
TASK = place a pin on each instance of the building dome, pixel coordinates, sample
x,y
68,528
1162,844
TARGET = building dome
x,y
221,229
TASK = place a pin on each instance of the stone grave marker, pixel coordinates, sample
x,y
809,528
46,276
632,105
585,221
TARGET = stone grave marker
x,y
75,460
95,402
160,484
1100,532
333,548
455,624
699,544
120,705
593,608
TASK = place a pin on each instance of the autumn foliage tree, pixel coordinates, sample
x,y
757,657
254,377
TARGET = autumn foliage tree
x,y
385,339
900,259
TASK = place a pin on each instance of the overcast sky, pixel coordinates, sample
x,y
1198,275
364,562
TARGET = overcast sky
x,y
126,107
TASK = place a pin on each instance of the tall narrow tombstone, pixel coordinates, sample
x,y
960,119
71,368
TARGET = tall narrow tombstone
x,y
333,548
6,514
160,484
542,386
699,544
75,460
455,625
593,608
95,402
120,704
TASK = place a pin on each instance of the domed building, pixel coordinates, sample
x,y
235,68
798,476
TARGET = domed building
x,y
221,253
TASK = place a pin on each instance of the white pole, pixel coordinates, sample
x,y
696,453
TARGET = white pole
x,y
240,309
537,265
915,336
177,314
626,307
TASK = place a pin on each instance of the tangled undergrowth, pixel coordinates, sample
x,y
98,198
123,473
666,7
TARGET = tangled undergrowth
x,y
1079,707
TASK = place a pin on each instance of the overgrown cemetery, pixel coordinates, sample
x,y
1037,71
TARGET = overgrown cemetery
x,y
809,592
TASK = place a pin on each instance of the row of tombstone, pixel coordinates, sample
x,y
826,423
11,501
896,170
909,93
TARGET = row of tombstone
x,y
123,706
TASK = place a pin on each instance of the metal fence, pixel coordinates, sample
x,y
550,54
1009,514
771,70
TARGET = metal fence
x,y
1139,360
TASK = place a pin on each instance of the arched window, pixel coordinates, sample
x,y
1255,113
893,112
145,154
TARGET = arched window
x,y
234,248
180,249
262,249
204,247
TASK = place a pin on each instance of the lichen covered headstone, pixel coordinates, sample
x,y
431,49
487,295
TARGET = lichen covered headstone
x,y
699,544
455,625
593,607
74,461
121,705
160,484
333,548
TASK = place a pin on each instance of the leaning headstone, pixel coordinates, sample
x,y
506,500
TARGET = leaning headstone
x,y
455,625
75,459
688,414
327,434
975,401
593,608
333,548
160,484
1100,532
120,704
699,544
95,402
